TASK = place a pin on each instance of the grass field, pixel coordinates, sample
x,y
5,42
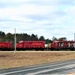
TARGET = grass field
x,y
9,59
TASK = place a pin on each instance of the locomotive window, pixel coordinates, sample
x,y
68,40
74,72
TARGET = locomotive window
x,y
69,44
61,44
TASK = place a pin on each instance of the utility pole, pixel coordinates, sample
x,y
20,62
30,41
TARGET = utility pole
x,y
15,41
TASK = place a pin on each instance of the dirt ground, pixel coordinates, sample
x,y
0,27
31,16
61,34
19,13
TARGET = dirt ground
x,y
9,59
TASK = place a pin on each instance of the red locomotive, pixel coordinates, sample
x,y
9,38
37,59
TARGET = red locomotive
x,y
31,45
58,45
5,45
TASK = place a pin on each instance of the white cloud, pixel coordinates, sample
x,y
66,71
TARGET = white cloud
x,y
43,17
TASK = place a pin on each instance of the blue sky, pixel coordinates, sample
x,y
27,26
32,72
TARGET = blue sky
x,y
42,17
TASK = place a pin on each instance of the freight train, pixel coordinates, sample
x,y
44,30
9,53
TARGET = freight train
x,y
39,45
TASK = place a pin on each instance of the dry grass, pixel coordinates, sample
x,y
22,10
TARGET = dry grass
x,y
27,58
